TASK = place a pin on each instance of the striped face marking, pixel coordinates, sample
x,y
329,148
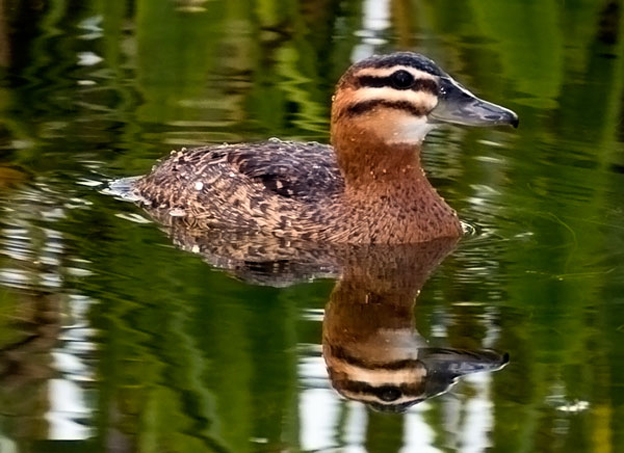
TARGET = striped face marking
x,y
399,87
393,100
397,77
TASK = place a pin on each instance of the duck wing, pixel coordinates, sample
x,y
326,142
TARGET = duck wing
x,y
306,171
292,171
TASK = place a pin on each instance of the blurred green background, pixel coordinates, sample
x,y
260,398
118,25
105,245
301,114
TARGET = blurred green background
x,y
111,339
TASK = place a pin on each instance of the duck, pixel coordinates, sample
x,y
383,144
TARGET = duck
x,y
366,187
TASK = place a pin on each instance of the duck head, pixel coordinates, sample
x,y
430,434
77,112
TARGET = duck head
x,y
393,101
400,97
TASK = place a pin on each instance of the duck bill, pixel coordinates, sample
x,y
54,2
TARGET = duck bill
x,y
457,105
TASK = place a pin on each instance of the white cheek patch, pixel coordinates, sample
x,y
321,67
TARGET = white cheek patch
x,y
409,130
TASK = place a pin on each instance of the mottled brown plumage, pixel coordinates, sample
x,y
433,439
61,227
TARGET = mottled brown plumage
x,y
368,187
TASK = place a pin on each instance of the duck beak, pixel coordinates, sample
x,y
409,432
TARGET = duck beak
x,y
459,106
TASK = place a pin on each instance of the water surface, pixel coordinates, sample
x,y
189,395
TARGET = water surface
x,y
114,339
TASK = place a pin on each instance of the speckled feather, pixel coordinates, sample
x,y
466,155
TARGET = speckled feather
x,y
302,171
242,186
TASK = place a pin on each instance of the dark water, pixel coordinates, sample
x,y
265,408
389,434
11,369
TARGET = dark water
x,y
113,339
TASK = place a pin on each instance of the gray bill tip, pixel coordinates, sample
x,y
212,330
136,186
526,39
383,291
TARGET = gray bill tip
x,y
501,115
459,106
515,121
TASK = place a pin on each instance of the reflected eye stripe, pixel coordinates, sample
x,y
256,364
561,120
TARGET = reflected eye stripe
x,y
362,107
421,84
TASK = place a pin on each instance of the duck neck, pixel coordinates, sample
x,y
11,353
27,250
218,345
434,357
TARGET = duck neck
x,y
387,194
371,166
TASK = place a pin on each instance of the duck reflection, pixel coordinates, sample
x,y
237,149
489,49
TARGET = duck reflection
x,y
26,362
371,347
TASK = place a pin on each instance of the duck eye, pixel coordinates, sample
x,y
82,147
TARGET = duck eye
x,y
402,80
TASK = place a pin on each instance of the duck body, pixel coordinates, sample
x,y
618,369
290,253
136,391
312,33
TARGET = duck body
x,y
367,187
295,190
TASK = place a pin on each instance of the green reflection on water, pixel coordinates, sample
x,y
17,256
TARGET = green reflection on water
x,y
172,355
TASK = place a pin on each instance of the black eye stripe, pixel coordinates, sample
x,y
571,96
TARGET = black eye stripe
x,y
360,108
373,82
423,84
